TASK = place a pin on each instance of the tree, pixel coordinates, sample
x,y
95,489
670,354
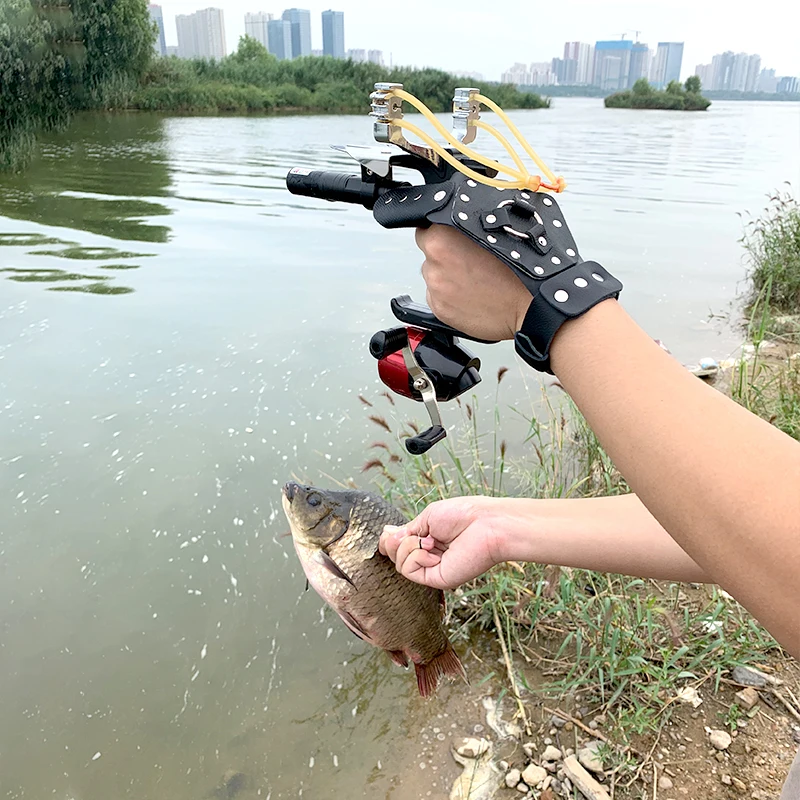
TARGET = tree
x,y
693,84
642,87
250,49
674,87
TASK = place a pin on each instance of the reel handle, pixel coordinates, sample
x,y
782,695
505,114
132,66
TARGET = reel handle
x,y
417,445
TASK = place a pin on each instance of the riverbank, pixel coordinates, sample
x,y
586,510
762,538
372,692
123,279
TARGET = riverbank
x,y
641,680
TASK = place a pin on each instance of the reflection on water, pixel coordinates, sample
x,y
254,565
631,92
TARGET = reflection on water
x,y
102,177
155,638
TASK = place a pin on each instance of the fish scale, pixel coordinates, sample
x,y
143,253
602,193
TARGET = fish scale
x,y
373,599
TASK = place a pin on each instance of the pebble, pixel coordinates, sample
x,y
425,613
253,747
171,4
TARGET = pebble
x,y
739,785
533,775
747,698
548,741
589,757
529,749
749,677
557,722
513,778
726,779
720,740
472,748
555,785
503,765
551,754
521,787
720,757
796,737
593,725
568,728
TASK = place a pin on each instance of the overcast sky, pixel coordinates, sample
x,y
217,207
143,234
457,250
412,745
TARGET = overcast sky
x,y
487,36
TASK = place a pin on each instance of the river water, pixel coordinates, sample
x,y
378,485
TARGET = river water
x,y
178,337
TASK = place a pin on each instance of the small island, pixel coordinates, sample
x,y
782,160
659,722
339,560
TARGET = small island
x,y
676,96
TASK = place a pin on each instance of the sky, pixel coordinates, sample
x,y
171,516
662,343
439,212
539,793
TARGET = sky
x,y
488,37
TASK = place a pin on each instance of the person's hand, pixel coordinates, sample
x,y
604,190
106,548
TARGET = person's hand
x,y
468,288
449,543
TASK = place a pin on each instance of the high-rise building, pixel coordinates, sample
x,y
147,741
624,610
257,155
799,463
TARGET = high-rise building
x,y
768,82
255,26
578,63
640,63
667,64
788,84
375,57
612,63
333,33
202,34
706,74
300,20
357,56
157,16
753,73
735,72
279,38
518,75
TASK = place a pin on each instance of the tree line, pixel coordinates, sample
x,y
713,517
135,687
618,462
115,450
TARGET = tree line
x,y
675,96
62,56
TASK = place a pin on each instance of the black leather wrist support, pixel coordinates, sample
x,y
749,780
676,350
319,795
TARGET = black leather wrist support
x,y
566,295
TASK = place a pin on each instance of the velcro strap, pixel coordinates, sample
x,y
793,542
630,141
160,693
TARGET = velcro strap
x,y
565,296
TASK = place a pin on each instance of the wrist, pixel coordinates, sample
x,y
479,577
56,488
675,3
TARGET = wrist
x,y
585,336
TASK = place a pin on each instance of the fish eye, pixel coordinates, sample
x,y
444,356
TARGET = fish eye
x,y
314,499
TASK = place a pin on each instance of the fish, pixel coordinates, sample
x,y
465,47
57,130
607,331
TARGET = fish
x,y
336,535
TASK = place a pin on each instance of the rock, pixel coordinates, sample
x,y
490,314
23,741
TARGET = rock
x,y
747,698
664,784
593,725
513,777
472,748
557,722
720,740
689,696
533,775
796,737
590,758
586,784
600,719
551,753
569,727
477,781
548,741
739,785
522,788
503,766
529,748
726,779
748,676
555,785
720,756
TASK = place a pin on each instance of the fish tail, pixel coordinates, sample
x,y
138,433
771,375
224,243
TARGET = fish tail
x,y
446,663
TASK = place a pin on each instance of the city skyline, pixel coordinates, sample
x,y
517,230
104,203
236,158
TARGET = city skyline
x,y
707,29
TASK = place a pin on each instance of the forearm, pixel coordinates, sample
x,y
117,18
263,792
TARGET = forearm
x,y
606,534
723,483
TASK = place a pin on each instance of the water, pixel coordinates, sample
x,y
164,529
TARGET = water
x,y
178,337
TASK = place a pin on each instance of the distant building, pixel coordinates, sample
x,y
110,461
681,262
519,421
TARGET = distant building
x,y
768,82
667,64
735,72
255,26
333,33
537,74
316,53
375,57
640,63
202,34
172,50
357,56
300,20
578,68
612,63
706,75
279,38
157,16
788,84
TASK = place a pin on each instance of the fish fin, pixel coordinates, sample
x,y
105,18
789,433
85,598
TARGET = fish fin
x,y
442,603
446,663
399,657
334,568
353,624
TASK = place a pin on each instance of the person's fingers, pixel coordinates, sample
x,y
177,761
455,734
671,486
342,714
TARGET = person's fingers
x,y
390,540
415,563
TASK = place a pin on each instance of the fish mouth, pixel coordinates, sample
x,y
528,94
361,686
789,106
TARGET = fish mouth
x,y
289,490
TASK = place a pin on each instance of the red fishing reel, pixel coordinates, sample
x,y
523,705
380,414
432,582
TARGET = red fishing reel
x,y
423,360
